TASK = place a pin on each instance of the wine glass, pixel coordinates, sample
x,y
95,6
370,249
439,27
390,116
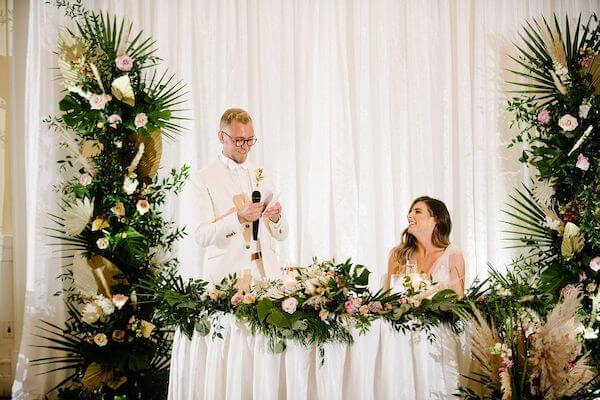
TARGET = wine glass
x,y
411,266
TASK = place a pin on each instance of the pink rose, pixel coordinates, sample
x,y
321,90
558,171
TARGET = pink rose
x,y
98,101
124,63
119,300
237,299
568,123
113,120
543,117
363,309
595,264
583,163
324,314
249,299
585,63
85,179
376,307
118,335
289,305
352,306
140,120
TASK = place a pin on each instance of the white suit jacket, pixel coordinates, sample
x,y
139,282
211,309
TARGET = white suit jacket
x,y
228,243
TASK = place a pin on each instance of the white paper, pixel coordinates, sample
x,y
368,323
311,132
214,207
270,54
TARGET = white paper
x,y
269,198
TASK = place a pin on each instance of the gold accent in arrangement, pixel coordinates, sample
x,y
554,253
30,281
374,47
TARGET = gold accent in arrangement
x,y
107,274
150,161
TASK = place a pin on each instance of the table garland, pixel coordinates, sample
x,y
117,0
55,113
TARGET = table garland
x,y
314,305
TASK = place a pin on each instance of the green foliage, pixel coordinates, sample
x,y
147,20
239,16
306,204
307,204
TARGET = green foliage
x,y
114,344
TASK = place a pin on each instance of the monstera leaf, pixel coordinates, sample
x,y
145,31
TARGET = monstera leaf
x,y
132,250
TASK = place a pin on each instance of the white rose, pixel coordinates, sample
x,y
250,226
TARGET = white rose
x,y
567,122
90,313
105,304
590,333
289,305
102,243
130,184
101,339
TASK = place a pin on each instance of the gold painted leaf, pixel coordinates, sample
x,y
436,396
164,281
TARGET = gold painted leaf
x,y
148,165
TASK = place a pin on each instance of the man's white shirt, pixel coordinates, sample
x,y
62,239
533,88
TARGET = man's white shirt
x,y
228,243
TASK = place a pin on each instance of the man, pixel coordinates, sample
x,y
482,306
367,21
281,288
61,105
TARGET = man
x,y
227,212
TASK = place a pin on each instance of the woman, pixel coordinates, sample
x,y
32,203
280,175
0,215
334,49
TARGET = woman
x,y
426,247
426,244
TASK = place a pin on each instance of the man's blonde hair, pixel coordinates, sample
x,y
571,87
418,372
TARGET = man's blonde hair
x,y
234,114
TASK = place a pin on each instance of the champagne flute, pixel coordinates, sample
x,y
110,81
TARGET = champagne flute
x,y
411,266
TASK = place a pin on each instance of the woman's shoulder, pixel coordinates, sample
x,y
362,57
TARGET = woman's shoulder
x,y
453,250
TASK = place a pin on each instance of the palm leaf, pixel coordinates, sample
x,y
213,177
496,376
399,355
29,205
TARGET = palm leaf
x,y
532,233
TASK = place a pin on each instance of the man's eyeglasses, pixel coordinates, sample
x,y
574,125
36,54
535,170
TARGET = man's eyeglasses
x,y
240,142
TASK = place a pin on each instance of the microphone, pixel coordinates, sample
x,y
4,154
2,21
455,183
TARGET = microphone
x,y
255,199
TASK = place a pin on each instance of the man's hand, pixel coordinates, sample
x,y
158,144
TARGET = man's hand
x,y
251,213
274,213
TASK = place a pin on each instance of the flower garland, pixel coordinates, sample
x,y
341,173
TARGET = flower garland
x,y
322,303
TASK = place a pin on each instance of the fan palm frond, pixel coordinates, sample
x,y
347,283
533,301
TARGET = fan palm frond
x,y
544,50
527,227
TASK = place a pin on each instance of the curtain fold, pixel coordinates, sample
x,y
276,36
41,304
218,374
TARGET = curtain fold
x,y
359,108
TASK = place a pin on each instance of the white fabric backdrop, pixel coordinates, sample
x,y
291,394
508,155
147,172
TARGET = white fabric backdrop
x,y
359,107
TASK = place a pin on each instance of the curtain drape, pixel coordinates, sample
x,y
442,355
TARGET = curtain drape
x,y
359,108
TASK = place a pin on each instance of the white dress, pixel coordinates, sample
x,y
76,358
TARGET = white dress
x,y
437,366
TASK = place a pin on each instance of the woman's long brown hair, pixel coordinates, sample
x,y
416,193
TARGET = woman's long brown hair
x,y
440,236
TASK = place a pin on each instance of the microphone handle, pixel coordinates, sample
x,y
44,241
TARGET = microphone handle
x,y
255,199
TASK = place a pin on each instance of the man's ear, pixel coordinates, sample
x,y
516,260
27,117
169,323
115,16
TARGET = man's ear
x,y
220,135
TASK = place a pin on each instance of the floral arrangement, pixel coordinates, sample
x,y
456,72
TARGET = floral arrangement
x,y
525,347
318,304
557,112
114,113
535,334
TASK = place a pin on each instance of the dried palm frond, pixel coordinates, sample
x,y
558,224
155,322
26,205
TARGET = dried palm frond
x,y
553,42
554,347
484,336
593,68
150,160
83,277
544,50
69,142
